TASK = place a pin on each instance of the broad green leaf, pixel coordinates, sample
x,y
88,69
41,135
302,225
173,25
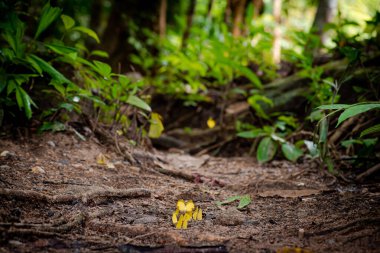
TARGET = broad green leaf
x,y
49,14
62,50
370,142
53,126
100,53
370,130
103,69
254,133
13,32
228,200
87,31
244,201
156,127
355,110
68,21
333,107
24,101
48,68
291,152
34,64
138,102
266,150
254,102
69,107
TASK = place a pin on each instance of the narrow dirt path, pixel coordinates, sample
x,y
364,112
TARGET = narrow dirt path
x,y
56,196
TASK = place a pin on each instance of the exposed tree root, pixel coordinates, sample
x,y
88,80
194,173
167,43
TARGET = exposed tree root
x,y
77,221
368,172
371,221
83,197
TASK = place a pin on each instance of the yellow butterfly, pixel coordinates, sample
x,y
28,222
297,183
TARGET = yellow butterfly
x,y
185,207
197,215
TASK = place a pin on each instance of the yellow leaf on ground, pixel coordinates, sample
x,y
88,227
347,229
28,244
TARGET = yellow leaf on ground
x,y
101,159
211,122
156,127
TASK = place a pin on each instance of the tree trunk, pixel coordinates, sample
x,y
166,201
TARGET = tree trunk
x,y
189,21
325,13
162,18
277,31
209,8
238,18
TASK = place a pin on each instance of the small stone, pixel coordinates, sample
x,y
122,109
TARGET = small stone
x,y
146,220
51,144
15,243
301,233
78,166
38,170
7,153
5,167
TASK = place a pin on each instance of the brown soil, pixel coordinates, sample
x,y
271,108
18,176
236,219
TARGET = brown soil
x,y
55,197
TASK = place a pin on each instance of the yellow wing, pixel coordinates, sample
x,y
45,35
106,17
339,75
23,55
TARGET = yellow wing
x,y
189,206
180,222
195,214
181,206
174,217
199,214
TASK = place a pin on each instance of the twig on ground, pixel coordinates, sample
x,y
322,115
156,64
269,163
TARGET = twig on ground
x,y
83,197
368,172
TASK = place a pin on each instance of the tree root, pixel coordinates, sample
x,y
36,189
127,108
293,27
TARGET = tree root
x,y
83,197
47,228
368,172
371,221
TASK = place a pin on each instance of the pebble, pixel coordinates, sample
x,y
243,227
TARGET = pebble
x,y
51,144
7,153
78,166
146,220
5,167
38,170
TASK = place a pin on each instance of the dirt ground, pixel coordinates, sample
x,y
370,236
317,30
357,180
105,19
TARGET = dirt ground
x,y
59,194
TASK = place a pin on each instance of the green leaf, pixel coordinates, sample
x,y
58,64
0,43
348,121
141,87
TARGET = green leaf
x,y
34,64
100,53
266,150
333,107
355,110
254,133
53,126
68,21
370,130
49,14
103,69
60,49
244,201
46,67
24,101
87,31
228,200
254,102
156,127
291,152
135,101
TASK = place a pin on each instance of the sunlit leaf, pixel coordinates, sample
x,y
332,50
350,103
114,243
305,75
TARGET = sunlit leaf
x,y
355,110
87,31
254,133
48,15
138,102
156,127
266,150
291,152
333,107
244,201
68,21
100,53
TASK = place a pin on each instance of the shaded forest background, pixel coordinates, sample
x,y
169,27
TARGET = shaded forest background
x,y
286,79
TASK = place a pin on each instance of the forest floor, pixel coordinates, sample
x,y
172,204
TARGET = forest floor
x,y
61,194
